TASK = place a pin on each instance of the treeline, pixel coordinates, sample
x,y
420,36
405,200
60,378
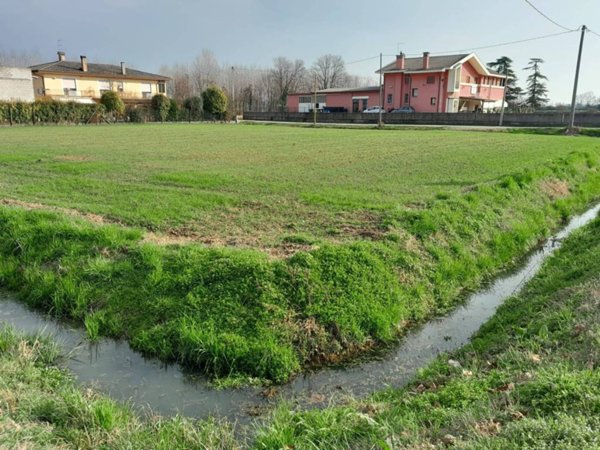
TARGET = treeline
x,y
251,88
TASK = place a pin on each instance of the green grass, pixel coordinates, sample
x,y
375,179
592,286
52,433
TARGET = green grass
x,y
529,379
40,407
425,216
254,185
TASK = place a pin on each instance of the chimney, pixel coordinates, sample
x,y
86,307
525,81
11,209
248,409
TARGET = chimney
x,y
61,56
123,68
400,61
84,63
425,60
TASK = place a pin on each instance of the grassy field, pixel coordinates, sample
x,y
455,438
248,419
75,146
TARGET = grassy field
x,y
529,380
271,187
386,228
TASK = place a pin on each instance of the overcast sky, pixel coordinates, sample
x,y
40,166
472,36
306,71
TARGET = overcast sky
x,y
149,33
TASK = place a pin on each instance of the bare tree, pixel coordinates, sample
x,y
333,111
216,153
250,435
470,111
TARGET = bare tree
x,y
587,99
206,71
19,59
360,81
329,71
288,76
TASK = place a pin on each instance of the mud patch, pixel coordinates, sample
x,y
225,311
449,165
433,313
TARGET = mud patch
x,y
555,189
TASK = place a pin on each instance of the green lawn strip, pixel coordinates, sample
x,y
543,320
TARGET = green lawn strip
x,y
41,408
237,313
530,378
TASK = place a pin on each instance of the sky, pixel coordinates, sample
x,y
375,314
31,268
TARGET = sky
x,y
150,33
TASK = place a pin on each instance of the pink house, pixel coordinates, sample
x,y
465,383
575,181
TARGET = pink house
x,y
450,83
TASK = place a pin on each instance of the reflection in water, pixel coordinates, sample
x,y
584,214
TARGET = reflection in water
x,y
112,367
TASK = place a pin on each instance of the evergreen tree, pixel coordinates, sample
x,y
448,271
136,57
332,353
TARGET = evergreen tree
x,y
215,102
503,66
536,84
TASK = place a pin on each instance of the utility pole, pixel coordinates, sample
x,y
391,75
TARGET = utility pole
x,y
315,103
504,95
574,100
380,90
233,90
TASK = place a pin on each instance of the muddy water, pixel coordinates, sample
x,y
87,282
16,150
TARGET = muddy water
x,y
115,369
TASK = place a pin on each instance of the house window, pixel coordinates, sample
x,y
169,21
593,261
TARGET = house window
x,y
355,105
120,86
430,80
146,90
433,101
407,79
103,86
390,97
69,86
415,92
406,98
162,87
305,99
468,79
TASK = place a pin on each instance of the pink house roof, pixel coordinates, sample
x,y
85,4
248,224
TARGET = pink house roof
x,y
438,64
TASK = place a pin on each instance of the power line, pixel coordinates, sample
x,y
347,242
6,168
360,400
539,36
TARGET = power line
x,y
362,60
501,44
593,32
546,17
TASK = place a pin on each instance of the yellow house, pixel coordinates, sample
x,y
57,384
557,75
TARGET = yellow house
x,y
85,82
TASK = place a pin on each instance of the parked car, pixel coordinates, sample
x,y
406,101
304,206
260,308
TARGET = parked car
x,y
373,109
334,109
404,109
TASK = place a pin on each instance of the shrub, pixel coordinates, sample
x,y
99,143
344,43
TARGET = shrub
x,y
112,103
136,114
193,107
160,107
173,115
215,102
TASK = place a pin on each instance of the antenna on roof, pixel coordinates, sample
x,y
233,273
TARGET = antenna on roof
x,y
399,44
59,45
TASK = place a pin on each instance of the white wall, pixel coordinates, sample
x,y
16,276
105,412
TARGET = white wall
x,y
16,84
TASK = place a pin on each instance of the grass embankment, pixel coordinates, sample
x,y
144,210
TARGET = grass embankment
x,y
529,379
239,312
40,407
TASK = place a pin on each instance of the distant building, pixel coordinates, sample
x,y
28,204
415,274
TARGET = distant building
x,y
451,83
85,82
16,84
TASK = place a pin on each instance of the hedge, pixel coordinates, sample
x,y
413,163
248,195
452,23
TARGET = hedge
x,y
49,111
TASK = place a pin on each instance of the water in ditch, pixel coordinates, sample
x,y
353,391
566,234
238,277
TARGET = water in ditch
x,y
114,368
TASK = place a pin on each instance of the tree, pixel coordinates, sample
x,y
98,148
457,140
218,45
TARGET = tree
x,y
329,71
503,66
193,106
536,85
160,107
173,115
112,103
287,76
587,99
214,101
